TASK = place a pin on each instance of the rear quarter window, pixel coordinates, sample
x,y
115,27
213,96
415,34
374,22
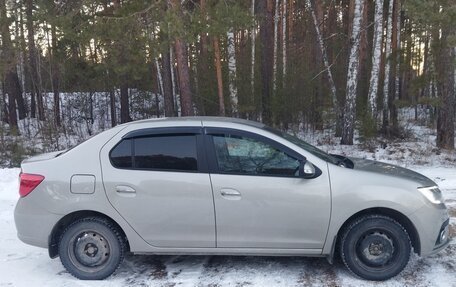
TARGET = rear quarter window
x,y
121,155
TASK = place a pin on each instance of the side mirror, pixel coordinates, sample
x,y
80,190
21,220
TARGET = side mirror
x,y
307,169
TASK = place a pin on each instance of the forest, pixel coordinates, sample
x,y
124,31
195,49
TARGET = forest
x,y
72,68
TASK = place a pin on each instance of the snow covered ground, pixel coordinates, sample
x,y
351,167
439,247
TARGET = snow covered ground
x,y
23,265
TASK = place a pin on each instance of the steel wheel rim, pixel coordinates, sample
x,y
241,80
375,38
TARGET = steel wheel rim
x,y
89,251
376,249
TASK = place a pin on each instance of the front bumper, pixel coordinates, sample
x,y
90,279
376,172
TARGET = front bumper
x,y
443,238
430,221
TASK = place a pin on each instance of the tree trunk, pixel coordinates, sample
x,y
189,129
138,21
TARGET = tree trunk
x,y
396,34
124,104
112,105
425,92
12,85
182,66
183,78
332,85
284,42
252,66
167,85
232,73
55,78
177,107
160,86
386,82
218,69
363,78
203,75
266,8
444,65
276,40
10,89
37,97
397,81
4,107
16,85
21,107
24,74
376,57
352,77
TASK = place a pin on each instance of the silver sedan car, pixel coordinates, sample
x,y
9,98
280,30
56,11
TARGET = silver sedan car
x,y
203,185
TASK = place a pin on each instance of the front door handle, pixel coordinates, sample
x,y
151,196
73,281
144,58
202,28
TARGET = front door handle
x,y
230,193
125,189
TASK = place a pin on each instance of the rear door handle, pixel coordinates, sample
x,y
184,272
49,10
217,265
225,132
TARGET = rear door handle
x,y
230,193
125,189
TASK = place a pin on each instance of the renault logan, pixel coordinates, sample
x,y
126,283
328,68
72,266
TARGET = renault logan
x,y
202,185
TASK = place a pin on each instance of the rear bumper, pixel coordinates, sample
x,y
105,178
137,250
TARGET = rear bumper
x,y
33,223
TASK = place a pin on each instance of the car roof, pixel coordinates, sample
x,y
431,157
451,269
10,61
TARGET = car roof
x,y
201,119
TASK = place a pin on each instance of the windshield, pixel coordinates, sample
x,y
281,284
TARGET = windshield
x,y
304,145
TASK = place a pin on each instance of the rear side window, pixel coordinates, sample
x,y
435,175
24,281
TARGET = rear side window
x,y
170,152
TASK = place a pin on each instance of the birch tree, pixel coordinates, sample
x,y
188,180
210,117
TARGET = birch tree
x,y
276,46
232,72
159,78
352,75
386,83
253,39
55,77
376,57
332,85
173,82
397,82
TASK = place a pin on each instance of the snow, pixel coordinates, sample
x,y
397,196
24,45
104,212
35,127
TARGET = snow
x,y
24,265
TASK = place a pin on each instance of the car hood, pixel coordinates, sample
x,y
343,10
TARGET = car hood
x,y
391,170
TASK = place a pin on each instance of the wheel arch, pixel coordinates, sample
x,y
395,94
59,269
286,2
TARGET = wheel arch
x,y
60,226
394,214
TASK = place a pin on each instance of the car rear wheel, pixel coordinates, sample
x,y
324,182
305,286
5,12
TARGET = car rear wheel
x,y
91,248
375,247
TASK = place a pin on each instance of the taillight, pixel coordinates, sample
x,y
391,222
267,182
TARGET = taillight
x,y
28,183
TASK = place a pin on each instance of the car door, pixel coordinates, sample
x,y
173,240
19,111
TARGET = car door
x,y
157,179
260,199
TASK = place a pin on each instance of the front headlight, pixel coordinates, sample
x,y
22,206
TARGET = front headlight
x,y
432,193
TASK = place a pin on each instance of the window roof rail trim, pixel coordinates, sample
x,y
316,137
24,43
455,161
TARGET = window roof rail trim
x,y
163,131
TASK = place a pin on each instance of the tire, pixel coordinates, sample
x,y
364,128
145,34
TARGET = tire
x,y
91,248
375,247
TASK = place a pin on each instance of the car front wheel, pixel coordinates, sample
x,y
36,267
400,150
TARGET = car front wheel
x,y
375,247
91,248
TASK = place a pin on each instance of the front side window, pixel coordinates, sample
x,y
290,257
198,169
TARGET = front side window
x,y
243,155
167,152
